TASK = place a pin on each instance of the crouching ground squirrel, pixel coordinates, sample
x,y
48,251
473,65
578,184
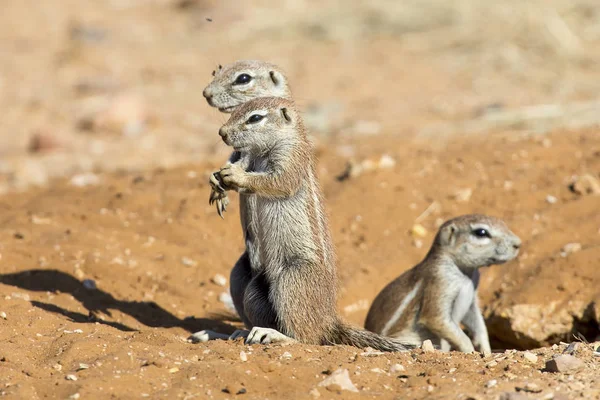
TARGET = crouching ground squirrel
x,y
291,293
430,300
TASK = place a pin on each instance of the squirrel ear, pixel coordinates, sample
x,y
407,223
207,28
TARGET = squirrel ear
x,y
447,235
276,77
286,115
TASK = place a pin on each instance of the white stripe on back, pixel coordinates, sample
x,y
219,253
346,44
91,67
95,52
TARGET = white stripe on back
x,y
405,301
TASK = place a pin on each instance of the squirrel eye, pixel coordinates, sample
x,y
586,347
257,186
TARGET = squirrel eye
x,y
481,233
242,79
254,119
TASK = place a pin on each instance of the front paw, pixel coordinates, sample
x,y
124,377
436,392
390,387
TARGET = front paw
x,y
221,201
232,175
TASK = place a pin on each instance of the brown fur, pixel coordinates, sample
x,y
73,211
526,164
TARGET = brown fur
x,y
430,300
297,259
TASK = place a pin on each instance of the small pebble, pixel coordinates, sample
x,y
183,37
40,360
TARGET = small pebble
x,y
173,370
86,179
71,377
286,356
427,346
512,396
314,393
377,370
418,230
219,280
82,367
463,195
188,262
529,356
570,248
394,369
2,315
89,284
371,353
572,348
243,356
386,162
529,388
564,363
491,383
551,199
339,380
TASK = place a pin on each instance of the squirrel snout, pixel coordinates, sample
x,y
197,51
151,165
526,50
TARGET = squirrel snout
x,y
207,93
516,244
222,132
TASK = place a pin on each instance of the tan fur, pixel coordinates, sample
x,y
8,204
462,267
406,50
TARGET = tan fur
x,y
226,95
430,300
293,289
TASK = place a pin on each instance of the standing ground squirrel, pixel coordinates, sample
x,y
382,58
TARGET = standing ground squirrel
x,y
291,294
233,85
430,300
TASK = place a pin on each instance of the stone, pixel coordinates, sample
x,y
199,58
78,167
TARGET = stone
x,y
315,393
219,280
396,368
564,363
85,179
71,377
418,230
512,396
369,352
491,383
188,262
462,195
529,388
42,142
585,185
386,162
551,199
339,380
243,356
572,348
427,346
570,248
529,356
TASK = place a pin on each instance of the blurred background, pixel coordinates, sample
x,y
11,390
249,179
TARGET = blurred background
x,y
116,84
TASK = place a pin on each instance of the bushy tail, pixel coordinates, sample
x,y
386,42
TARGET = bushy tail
x,y
357,337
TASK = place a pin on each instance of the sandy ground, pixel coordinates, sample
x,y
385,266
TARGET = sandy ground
x,y
109,250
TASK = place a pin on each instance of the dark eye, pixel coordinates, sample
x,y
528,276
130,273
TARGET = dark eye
x,y
254,119
242,79
481,233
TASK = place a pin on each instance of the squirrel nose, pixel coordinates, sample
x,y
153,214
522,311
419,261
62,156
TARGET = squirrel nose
x,y
517,243
222,132
207,93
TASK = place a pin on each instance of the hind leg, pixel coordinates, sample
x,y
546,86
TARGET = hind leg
x,y
240,278
260,313
257,306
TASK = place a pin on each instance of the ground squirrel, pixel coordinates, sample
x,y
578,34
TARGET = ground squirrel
x,y
233,85
291,294
430,300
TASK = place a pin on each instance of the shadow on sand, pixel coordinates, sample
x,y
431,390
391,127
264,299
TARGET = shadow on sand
x,y
97,302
